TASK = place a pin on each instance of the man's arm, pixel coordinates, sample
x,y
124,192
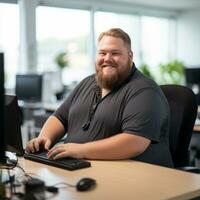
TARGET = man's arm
x,y
52,130
120,146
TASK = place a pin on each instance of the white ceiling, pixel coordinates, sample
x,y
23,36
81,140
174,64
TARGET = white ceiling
x,y
176,5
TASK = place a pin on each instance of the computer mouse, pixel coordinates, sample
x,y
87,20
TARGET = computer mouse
x,y
85,184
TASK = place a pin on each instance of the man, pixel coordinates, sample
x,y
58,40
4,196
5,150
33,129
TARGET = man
x,y
116,114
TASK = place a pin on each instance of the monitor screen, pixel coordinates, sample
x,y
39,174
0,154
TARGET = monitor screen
x,y
192,75
10,130
12,119
2,128
192,78
29,87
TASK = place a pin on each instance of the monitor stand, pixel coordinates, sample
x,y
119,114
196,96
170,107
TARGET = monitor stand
x,y
10,160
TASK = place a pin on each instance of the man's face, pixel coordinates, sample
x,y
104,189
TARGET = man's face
x,y
113,62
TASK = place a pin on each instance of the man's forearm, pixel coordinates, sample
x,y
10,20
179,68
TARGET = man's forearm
x,y
52,129
120,146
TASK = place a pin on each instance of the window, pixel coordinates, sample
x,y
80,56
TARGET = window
x,y
156,41
9,40
64,30
71,30
129,23
151,37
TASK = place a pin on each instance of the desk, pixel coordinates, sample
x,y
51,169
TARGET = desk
x,y
120,180
196,128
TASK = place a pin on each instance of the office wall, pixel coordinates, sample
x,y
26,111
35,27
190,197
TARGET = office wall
x,y
188,38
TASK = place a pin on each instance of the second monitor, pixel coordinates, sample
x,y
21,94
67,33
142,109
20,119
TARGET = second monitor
x,y
29,87
192,77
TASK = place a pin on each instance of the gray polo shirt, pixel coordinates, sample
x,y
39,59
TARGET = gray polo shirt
x,y
137,107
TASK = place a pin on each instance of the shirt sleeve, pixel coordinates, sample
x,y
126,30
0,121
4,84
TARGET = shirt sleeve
x,y
144,114
63,111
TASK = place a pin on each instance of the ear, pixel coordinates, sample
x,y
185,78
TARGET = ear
x,y
131,55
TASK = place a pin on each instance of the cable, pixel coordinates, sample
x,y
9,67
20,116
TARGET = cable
x,y
64,183
26,174
18,183
11,182
54,188
56,184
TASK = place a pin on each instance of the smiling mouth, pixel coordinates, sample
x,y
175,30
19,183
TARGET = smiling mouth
x,y
103,66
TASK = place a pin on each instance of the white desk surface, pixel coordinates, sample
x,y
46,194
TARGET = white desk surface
x,y
120,180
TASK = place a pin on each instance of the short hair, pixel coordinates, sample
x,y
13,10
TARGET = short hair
x,y
118,33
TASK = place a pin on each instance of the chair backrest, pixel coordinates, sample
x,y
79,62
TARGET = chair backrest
x,y
183,108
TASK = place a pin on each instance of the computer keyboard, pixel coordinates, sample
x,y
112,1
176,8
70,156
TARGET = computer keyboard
x,y
64,163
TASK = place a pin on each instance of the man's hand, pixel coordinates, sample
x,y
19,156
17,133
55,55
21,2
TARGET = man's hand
x,y
67,150
35,144
120,146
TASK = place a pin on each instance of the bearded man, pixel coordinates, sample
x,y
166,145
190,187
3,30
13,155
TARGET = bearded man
x,y
117,113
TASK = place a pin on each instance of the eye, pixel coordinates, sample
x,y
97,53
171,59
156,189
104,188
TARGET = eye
x,y
102,53
116,53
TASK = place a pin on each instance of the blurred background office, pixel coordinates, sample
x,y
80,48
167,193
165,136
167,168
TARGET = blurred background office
x,y
34,34
50,45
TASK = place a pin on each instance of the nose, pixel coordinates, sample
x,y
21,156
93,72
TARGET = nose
x,y
108,56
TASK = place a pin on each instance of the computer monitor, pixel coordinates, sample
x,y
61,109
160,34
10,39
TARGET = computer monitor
x,y
12,121
192,78
10,131
192,75
2,128
29,87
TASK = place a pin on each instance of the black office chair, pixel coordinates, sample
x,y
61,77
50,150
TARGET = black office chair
x,y
183,109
